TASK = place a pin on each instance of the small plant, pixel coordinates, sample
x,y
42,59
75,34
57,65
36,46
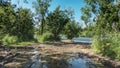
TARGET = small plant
x,y
96,44
7,39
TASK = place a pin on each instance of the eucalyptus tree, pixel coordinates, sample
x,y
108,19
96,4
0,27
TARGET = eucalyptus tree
x,y
41,7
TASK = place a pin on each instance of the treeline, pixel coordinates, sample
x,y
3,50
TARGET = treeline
x,y
105,26
15,25
55,23
20,24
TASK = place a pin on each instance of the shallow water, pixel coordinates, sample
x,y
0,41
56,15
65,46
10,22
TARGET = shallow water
x,y
77,63
60,61
82,40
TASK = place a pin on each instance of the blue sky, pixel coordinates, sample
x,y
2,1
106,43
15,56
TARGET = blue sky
x,y
74,4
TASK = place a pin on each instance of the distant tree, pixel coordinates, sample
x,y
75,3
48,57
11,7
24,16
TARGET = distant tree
x,y
18,23
41,7
72,29
24,24
56,21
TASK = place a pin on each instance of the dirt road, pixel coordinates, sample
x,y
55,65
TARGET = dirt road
x,y
21,55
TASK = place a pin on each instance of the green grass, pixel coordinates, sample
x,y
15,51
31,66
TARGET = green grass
x,y
23,44
45,38
9,40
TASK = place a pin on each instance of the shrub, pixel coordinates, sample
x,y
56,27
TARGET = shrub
x,y
107,46
96,44
7,39
115,45
87,33
39,38
46,37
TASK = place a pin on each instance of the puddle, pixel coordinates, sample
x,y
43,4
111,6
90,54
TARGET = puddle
x,y
80,63
59,61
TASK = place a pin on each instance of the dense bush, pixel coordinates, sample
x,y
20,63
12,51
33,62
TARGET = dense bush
x,y
108,46
115,45
7,39
45,37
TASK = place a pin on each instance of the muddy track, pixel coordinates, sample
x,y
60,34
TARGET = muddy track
x,y
22,55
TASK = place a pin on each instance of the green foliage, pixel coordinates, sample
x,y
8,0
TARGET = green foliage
x,y
115,44
106,18
16,23
7,18
86,33
105,14
7,40
46,37
72,29
56,21
89,31
23,27
97,44
41,7
39,38
24,43
107,46
86,15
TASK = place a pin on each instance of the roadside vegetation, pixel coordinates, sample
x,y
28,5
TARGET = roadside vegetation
x,y
19,26
105,26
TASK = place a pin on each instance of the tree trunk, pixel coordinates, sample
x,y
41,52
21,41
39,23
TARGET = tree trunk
x,y
42,25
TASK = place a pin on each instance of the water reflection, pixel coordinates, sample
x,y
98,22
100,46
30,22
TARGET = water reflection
x,y
59,61
77,63
56,63
67,63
